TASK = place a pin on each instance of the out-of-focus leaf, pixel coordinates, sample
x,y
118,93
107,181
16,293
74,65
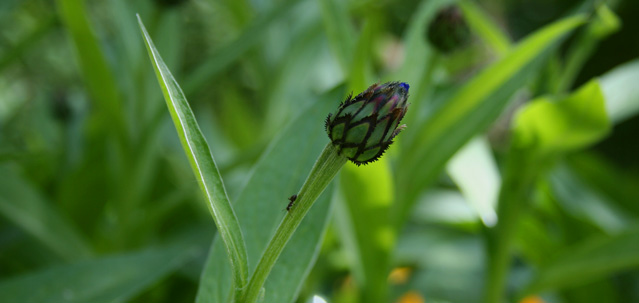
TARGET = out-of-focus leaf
x,y
224,57
585,203
620,88
203,165
485,28
21,204
474,170
339,30
260,206
594,259
563,125
604,23
368,195
99,78
448,264
601,175
109,279
472,109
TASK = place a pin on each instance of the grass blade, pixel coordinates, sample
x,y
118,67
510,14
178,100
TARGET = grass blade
x,y
596,258
108,279
27,208
203,165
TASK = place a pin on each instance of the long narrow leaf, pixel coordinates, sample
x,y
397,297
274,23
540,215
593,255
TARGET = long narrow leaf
x,y
203,164
108,279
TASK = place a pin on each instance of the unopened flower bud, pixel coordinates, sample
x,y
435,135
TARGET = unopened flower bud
x,y
363,127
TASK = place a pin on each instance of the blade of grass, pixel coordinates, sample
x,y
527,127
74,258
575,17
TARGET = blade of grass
x,y
99,78
595,258
203,165
108,279
21,204
224,57
483,26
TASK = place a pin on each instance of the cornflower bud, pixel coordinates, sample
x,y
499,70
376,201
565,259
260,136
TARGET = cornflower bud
x,y
363,127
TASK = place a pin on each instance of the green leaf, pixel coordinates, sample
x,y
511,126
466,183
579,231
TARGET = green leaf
x,y
485,28
475,172
596,258
340,31
570,123
23,205
203,165
99,78
366,227
261,205
109,279
224,57
622,93
472,109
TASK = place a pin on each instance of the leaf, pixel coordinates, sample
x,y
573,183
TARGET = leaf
x,y
621,92
99,78
366,228
472,109
596,258
224,57
109,279
563,125
23,205
203,165
475,172
276,176
485,28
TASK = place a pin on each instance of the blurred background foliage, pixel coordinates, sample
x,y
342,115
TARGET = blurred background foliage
x,y
98,203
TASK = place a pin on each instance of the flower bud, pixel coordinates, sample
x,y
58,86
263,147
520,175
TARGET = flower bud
x,y
448,31
363,127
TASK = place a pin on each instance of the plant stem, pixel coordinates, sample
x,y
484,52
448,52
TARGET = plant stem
x,y
522,169
325,168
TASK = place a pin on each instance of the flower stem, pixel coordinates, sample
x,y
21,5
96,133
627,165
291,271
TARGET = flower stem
x,y
325,168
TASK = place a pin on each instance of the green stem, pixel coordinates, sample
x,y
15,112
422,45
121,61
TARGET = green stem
x,y
325,168
522,169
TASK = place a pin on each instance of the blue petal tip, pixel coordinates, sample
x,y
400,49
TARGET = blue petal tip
x,y
404,85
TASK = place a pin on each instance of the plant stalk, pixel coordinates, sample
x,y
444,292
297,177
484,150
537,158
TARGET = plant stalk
x,y
324,170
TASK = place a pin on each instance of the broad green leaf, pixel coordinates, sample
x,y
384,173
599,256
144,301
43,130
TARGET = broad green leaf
x,y
594,259
472,109
261,205
108,279
23,205
620,88
485,28
366,227
570,123
475,172
203,165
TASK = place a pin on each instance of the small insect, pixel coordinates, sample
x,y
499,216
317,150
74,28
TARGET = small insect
x,y
290,204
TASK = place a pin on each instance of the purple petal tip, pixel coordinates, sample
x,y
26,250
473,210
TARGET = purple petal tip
x,y
404,85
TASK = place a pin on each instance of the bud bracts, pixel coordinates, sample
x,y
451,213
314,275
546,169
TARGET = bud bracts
x,y
363,127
